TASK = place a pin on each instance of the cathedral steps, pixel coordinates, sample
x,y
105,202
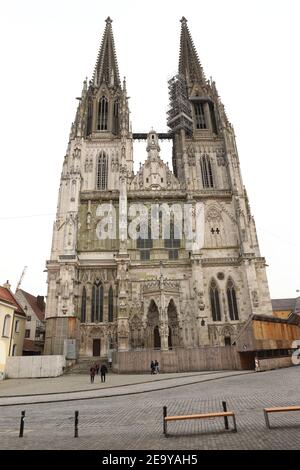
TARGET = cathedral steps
x,y
84,364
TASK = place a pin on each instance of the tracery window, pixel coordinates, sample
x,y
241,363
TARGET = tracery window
x,y
215,301
102,171
97,303
232,303
102,114
206,171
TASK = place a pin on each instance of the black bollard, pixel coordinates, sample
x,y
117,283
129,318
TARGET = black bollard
x,y
225,417
22,424
76,424
164,421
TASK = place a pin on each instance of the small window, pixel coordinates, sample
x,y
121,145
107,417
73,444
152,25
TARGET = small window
x,y
147,180
17,326
29,318
161,180
14,350
6,326
173,254
145,255
27,333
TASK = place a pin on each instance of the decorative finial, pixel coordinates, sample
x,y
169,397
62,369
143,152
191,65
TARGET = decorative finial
x,y
124,83
108,20
183,21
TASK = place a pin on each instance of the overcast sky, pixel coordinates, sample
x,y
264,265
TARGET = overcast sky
x,y
48,47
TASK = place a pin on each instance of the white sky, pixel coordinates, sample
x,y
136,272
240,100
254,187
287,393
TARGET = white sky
x,y
250,47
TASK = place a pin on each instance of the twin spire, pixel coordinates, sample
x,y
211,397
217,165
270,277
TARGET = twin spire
x,y
106,69
189,63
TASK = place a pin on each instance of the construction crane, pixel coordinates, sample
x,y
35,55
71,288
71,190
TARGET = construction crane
x,y
21,278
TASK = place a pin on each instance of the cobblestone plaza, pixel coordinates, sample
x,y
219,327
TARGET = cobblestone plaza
x,y
127,414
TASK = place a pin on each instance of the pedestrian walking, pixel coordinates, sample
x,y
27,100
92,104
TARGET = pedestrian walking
x,y
156,365
97,367
110,362
103,372
92,374
152,367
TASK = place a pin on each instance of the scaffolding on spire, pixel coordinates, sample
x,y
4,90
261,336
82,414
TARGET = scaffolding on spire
x,y
179,116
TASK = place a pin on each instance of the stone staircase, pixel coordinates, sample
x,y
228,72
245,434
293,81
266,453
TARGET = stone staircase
x,y
84,364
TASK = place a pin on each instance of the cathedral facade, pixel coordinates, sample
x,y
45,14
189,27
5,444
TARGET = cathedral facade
x,y
118,292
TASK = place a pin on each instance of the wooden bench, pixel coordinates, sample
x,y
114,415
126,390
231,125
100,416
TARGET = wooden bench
x,y
218,414
278,410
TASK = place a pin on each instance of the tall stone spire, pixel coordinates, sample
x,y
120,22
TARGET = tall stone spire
x,y
189,64
106,69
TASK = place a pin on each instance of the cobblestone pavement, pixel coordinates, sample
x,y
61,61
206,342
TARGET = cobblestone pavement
x,y
135,421
123,386
79,382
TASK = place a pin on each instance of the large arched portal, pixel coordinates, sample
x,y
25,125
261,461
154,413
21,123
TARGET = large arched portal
x,y
152,339
174,333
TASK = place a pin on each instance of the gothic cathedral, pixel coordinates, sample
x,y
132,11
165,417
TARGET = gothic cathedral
x,y
121,293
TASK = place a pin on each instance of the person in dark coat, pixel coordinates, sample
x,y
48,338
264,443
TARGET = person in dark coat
x,y
156,365
97,367
152,367
92,374
103,372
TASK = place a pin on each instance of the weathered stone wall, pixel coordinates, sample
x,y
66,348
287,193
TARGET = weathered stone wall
x,y
178,360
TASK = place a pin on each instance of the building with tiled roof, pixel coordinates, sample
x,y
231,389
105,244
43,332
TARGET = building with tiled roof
x,y
34,308
282,308
12,326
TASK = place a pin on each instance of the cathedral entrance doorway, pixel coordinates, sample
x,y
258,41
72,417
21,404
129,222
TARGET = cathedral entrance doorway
x,y
96,347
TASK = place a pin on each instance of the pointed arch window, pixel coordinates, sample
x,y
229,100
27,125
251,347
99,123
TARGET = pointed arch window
x,y
102,171
206,171
116,124
215,301
102,114
232,303
200,115
89,117
83,306
145,244
172,240
110,304
97,303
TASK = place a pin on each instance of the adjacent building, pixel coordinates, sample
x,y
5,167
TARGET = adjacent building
x,y
282,308
166,292
12,326
34,307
